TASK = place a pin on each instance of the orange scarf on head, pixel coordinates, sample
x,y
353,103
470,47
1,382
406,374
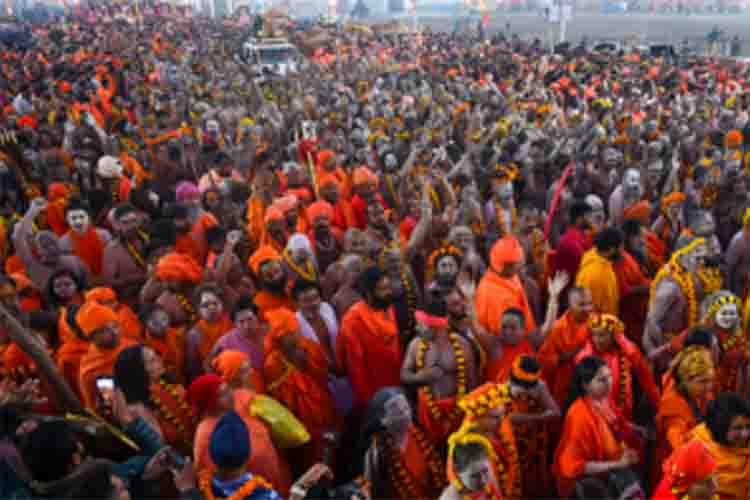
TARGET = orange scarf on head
x,y
89,248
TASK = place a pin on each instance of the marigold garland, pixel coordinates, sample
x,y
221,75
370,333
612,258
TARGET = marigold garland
x,y
711,279
684,280
137,257
185,416
456,414
187,307
242,492
308,274
401,478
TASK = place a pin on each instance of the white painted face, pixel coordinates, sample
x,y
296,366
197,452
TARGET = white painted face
x,y
212,126
78,220
727,317
476,475
632,180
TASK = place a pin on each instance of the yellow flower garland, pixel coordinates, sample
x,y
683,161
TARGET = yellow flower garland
x,y
187,306
308,274
674,270
456,414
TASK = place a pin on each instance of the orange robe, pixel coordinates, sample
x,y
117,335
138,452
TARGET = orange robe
x,y
421,464
194,243
532,442
674,422
73,348
633,308
625,361
598,275
16,364
733,465
265,459
130,326
498,370
265,301
97,362
256,212
495,295
304,391
89,248
587,436
566,337
369,351
211,333
260,444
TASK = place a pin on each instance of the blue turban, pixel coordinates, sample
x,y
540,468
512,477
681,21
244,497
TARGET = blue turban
x,y
230,442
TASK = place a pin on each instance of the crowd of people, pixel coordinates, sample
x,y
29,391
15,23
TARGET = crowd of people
x,y
421,267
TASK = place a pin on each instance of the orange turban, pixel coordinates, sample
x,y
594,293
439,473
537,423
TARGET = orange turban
x,y
27,121
363,175
281,323
272,214
301,194
261,256
733,139
93,316
320,209
101,294
179,267
688,464
227,364
324,156
674,197
506,250
327,179
286,203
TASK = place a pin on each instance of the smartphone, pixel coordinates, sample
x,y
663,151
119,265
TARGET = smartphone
x,y
106,388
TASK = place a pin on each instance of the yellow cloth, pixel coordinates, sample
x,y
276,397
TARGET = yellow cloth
x,y
598,275
733,468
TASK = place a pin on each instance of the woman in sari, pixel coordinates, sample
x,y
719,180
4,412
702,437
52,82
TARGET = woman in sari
x,y
399,460
594,436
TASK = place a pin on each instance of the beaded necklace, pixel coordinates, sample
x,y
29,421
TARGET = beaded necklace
x,y
456,414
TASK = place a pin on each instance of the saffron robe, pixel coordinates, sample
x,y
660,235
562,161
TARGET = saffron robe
x,y
566,336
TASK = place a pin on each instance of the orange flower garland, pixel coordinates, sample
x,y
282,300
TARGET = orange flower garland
x,y
243,492
401,478
307,274
456,414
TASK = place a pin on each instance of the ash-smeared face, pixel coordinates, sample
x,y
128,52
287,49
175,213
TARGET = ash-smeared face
x,y
78,220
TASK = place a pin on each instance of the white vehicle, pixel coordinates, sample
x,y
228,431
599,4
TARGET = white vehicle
x,y
275,55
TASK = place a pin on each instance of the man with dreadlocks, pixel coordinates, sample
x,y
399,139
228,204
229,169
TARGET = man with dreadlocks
x,y
676,293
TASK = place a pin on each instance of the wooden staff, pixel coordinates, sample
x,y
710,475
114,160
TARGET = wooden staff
x,y
46,367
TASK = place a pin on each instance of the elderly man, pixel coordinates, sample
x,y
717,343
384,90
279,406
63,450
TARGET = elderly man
x,y
626,201
675,300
